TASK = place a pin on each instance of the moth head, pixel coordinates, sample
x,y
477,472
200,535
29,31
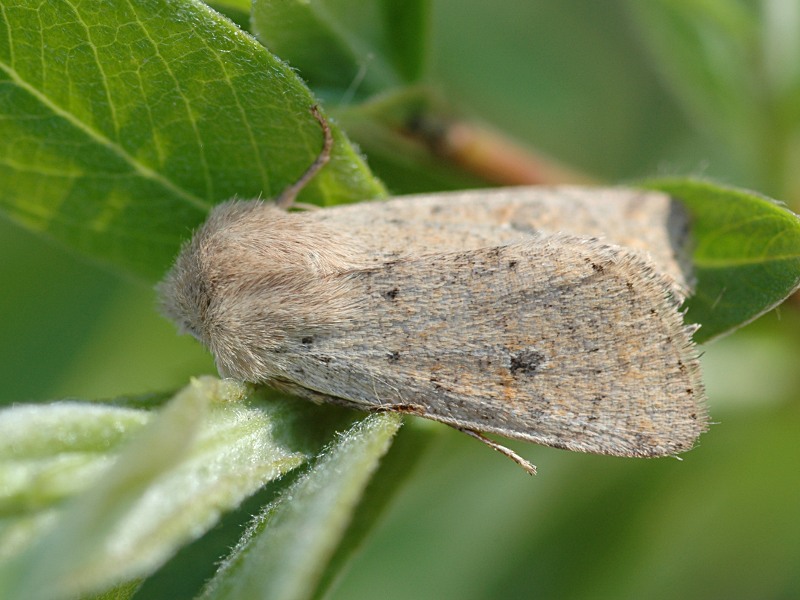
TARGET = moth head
x,y
253,278
184,293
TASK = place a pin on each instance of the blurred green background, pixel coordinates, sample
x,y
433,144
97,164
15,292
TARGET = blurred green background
x,y
574,80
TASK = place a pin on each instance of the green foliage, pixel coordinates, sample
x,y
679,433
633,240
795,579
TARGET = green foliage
x,y
345,46
747,254
122,124
141,486
733,66
284,553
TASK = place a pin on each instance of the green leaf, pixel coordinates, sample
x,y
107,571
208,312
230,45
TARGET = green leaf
x,y
397,467
746,258
286,551
350,46
121,124
144,490
121,592
51,452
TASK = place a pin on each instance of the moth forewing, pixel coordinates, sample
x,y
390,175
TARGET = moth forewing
x,y
558,340
652,224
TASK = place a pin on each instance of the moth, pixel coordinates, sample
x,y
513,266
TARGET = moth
x,y
550,315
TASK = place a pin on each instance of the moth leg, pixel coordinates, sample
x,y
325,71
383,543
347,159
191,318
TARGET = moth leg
x,y
286,199
529,467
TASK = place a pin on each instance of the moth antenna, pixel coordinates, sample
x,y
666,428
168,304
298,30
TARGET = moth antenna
x,y
287,197
529,467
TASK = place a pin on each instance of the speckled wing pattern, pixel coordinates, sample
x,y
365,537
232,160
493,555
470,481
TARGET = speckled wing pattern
x,y
652,224
555,339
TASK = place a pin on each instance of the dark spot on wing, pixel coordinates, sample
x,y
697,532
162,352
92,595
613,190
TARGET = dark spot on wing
x,y
526,362
391,294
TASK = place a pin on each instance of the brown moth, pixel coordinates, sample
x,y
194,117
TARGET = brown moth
x,y
549,315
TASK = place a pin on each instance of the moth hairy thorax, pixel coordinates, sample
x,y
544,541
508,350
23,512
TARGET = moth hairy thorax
x,y
254,279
